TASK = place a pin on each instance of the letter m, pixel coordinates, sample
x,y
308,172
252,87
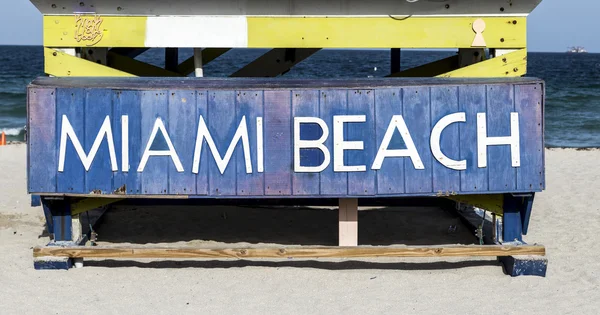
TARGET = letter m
x,y
240,134
67,132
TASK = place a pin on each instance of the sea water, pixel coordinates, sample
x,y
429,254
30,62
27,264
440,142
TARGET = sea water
x,y
572,111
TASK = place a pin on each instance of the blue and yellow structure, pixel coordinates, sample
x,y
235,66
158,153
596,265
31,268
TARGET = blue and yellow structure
x,y
459,120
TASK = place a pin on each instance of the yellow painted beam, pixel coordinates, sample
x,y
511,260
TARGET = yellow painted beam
x,y
59,64
493,203
383,32
283,32
99,31
513,64
87,204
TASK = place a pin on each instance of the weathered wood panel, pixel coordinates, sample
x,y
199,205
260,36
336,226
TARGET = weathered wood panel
x,y
41,122
380,140
182,124
333,103
278,136
70,110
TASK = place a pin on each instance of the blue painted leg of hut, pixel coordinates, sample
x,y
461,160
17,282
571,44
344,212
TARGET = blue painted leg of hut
x,y
526,212
58,220
512,227
48,216
61,218
36,200
517,211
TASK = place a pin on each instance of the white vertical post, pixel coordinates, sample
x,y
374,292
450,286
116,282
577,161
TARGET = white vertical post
x,y
198,62
76,229
348,222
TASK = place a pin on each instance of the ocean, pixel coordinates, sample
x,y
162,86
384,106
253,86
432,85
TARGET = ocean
x,y
572,109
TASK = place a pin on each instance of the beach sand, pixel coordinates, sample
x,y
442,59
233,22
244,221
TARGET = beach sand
x,y
566,219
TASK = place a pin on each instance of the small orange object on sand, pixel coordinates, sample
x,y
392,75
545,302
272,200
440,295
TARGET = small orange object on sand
x,y
3,138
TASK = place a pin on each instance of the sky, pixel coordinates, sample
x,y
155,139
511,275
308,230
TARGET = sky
x,y
553,26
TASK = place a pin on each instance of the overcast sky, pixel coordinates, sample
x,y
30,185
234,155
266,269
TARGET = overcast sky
x,y
553,26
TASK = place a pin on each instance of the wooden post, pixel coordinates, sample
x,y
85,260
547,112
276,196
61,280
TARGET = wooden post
x,y
512,227
61,217
348,222
395,60
171,59
198,66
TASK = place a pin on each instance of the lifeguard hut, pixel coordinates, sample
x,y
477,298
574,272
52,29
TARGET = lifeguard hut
x,y
468,128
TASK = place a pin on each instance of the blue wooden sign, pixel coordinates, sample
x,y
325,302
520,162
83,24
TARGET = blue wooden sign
x,y
285,138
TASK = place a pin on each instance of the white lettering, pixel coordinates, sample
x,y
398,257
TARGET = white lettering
x,y
397,123
259,145
240,134
339,145
159,125
434,142
318,144
67,132
125,143
483,141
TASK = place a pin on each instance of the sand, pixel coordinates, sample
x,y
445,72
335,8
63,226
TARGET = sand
x,y
566,218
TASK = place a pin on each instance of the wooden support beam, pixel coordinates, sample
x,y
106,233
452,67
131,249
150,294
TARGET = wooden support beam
x,y
348,222
208,55
285,252
286,31
395,60
129,52
60,64
275,62
431,69
136,67
87,204
171,59
492,203
513,64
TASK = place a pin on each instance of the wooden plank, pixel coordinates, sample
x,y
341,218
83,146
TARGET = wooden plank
x,y
278,131
59,64
444,101
361,102
431,69
266,83
202,187
417,107
388,103
70,103
471,102
275,62
332,103
381,32
136,67
222,123
500,103
511,65
348,222
42,139
290,252
98,106
305,103
250,105
182,129
87,204
155,175
528,103
127,103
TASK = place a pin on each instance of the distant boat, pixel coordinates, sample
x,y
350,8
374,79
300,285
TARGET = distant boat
x,y
576,49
